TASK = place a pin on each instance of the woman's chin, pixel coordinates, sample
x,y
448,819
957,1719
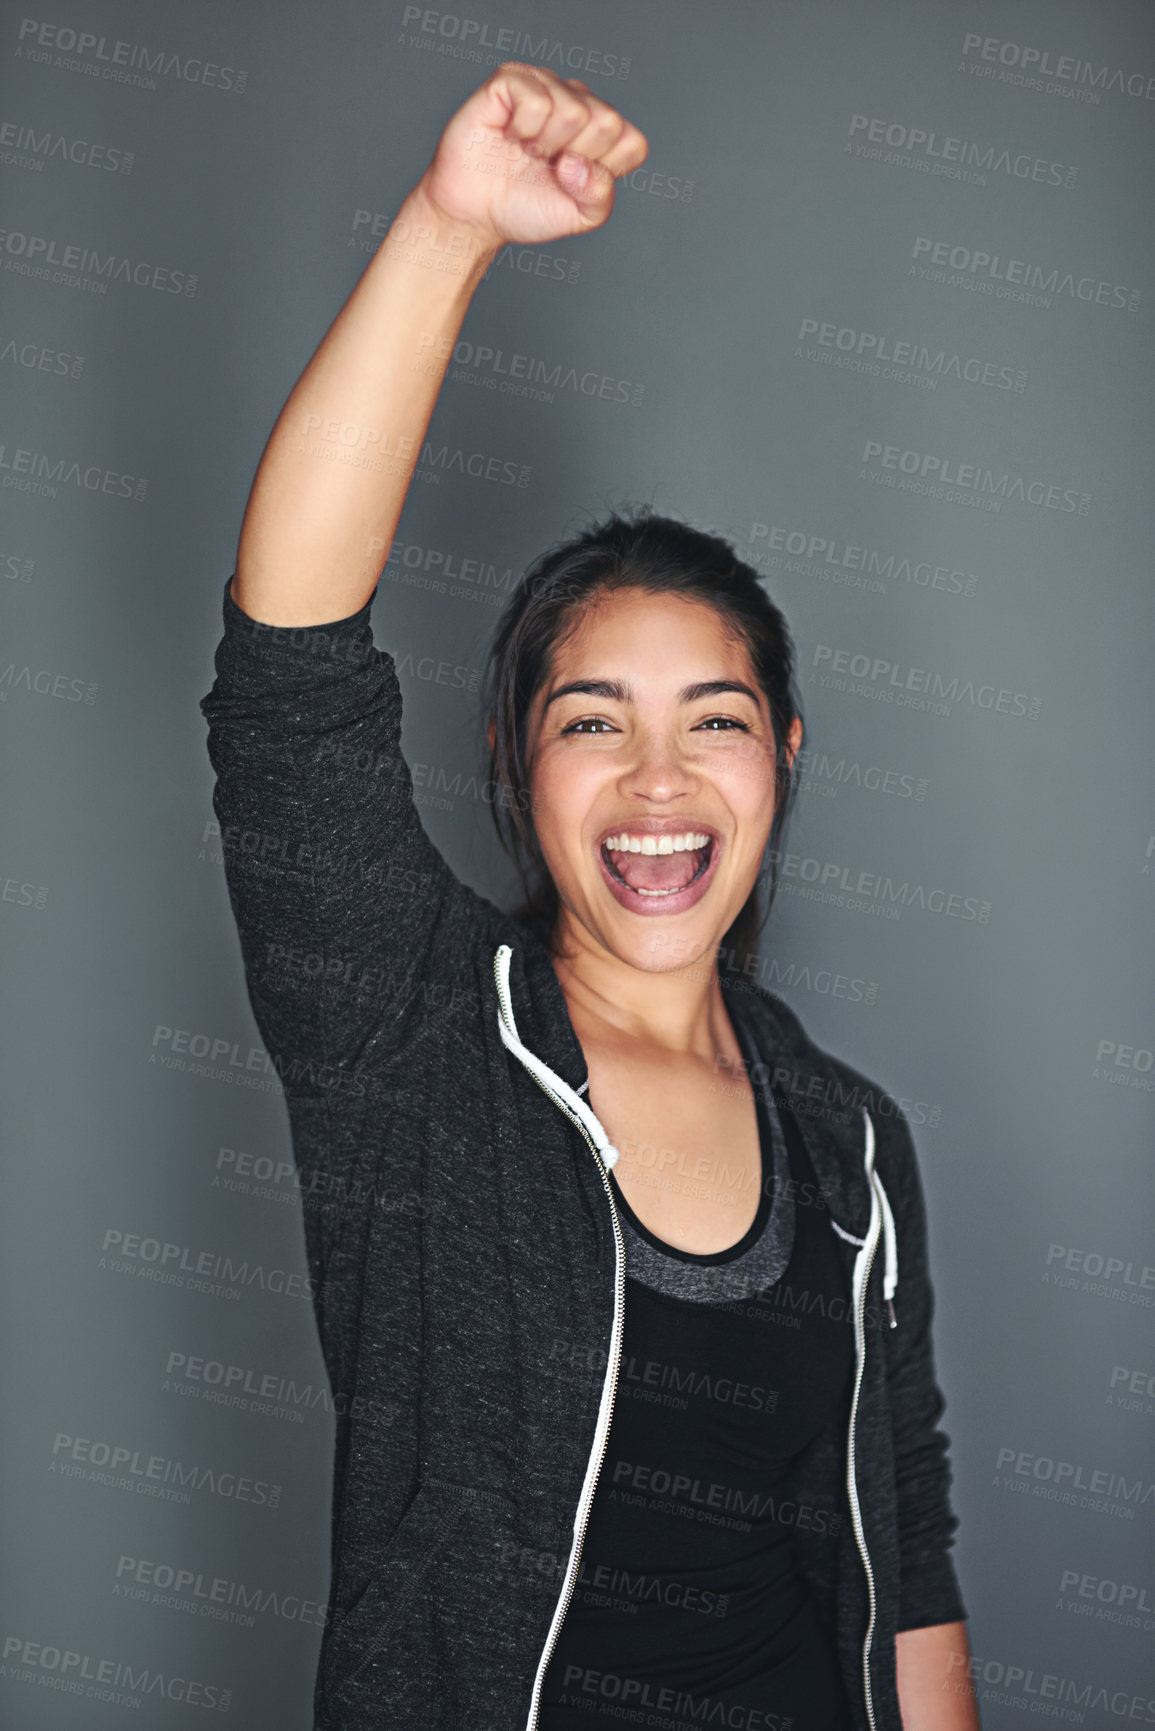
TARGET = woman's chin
x,y
655,934
658,944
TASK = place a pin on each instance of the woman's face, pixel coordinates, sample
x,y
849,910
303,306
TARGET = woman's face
x,y
652,767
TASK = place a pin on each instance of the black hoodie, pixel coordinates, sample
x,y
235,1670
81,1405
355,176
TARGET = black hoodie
x,y
464,1251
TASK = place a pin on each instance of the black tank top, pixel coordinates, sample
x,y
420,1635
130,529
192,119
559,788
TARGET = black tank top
x,y
689,1602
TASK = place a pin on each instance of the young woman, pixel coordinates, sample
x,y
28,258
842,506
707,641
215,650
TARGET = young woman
x,y
621,1281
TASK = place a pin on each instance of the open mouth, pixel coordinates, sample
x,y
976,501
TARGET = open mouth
x,y
663,872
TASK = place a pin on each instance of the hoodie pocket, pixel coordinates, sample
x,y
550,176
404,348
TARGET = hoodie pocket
x,y
417,1548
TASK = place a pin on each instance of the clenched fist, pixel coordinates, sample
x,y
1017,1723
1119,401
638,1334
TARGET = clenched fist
x,y
531,157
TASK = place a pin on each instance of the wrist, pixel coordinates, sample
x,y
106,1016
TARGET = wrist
x,y
422,223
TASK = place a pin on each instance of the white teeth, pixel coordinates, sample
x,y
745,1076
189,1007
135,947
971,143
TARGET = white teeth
x,y
657,844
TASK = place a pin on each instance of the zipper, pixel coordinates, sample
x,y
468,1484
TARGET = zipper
x,y
868,1251
609,1390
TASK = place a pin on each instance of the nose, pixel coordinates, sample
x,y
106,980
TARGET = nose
x,y
661,772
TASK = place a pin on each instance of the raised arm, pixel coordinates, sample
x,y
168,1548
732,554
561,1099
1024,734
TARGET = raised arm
x,y
528,158
351,921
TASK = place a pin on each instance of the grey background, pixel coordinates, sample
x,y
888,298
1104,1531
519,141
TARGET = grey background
x,y
1021,1039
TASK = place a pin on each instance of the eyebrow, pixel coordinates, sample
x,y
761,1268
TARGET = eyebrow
x,y
617,691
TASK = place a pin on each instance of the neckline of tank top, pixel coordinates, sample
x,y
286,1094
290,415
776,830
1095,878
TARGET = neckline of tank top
x,y
766,1199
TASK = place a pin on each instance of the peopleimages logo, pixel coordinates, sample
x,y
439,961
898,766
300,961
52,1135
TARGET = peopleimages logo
x,y
1105,1270
915,147
120,1682
179,1588
859,567
1014,62
464,38
28,471
195,1269
1140,1390
820,772
268,1393
445,572
1035,1689
870,891
41,358
33,254
25,147
900,358
522,375
123,62
1108,1592
1058,1481
1018,278
123,1467
947,478
883,680
46,684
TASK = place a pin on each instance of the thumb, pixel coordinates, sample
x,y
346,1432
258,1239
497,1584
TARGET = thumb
x,y
587,183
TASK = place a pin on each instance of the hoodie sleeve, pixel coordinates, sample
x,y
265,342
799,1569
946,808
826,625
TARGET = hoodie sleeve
x,y
351,923
929,1591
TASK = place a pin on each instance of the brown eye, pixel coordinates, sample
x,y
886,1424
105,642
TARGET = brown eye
x,y
588,721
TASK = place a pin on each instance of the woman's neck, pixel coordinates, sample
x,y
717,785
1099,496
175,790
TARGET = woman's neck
x,y
680,1010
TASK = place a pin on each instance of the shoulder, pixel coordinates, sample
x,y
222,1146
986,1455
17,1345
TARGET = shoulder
x,y
806,1073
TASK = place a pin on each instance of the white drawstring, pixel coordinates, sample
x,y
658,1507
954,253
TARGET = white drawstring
x,y
560,1092
890,1276
570,1101
890,1237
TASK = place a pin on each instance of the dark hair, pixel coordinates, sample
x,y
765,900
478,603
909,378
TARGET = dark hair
x,y
638,549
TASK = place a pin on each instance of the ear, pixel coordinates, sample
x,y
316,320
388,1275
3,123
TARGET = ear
x,y
793,741
491,734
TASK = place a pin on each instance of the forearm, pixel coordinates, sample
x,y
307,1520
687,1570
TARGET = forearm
x,y
527,158
330,487
935,1689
